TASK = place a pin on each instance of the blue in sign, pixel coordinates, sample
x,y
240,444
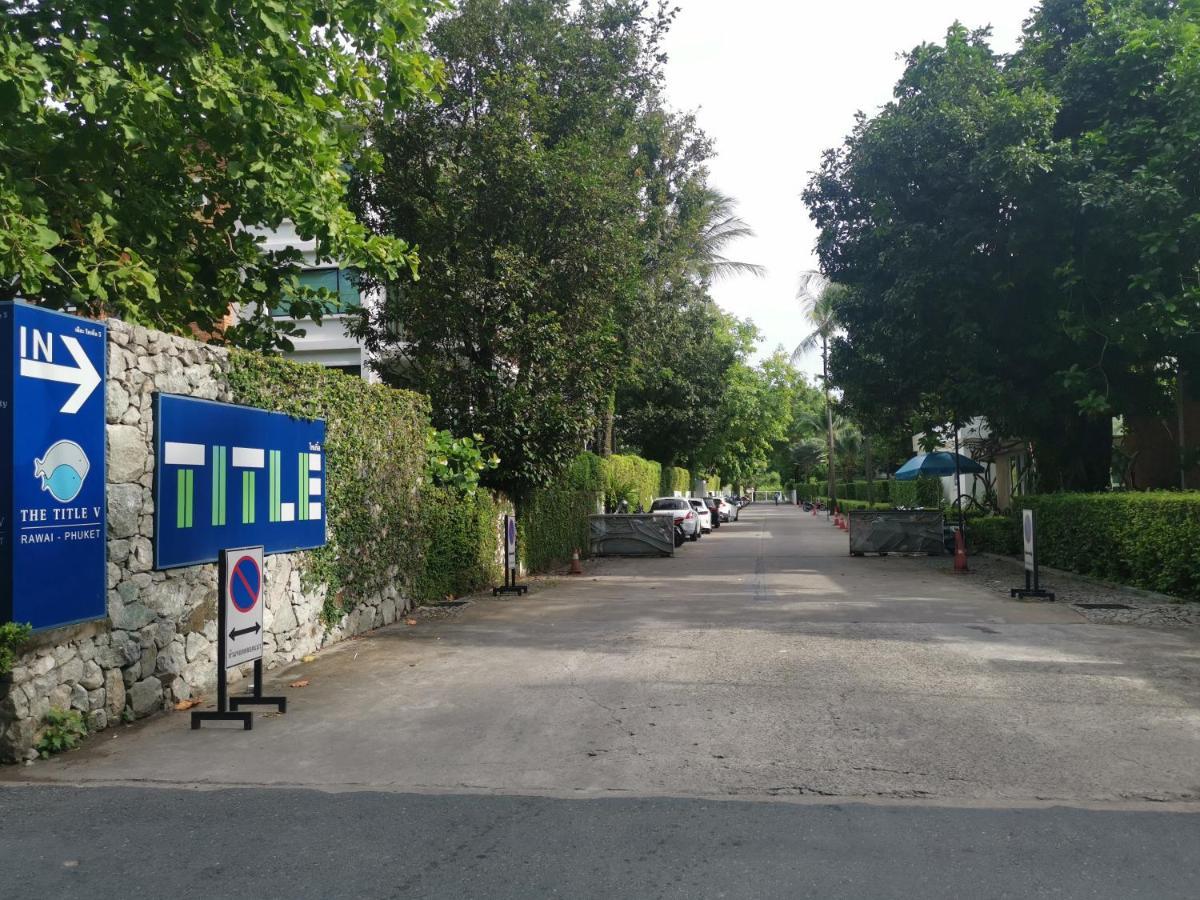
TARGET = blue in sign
x,y
52,492
245,584
234,476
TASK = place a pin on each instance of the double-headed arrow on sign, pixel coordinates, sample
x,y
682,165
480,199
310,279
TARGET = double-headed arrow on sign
x,y
235,633
83,374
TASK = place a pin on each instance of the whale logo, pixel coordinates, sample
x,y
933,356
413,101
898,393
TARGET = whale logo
x,y
62,470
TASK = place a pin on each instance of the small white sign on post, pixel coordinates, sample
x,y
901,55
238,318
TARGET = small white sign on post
x,y
510,543
242,587
1029,536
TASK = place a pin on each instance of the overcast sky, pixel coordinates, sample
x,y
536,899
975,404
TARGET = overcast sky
x,y
776,82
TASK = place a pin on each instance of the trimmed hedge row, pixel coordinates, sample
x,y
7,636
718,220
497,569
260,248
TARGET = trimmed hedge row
x,y
922,492
1148,540
461,542
553,523
1145,540
994,534
675,479
632,479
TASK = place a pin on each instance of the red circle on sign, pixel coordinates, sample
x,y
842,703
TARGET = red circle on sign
x,y
245,584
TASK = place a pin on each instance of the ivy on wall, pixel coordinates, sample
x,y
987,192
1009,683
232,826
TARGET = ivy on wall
x,y
375,444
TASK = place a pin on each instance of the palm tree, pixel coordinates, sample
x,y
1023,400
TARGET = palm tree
x,y
722,227
818,296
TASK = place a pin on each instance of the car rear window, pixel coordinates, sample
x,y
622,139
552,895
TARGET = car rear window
x,y
668,504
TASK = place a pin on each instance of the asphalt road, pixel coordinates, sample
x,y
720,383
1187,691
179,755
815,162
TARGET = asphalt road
x,y
254,843
759,716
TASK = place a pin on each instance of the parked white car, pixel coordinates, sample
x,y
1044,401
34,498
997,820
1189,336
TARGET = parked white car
x,y
729,512
684,515
703,512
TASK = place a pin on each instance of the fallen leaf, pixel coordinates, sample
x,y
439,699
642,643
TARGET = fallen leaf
x,y
309,658
410,621
187,704
303,682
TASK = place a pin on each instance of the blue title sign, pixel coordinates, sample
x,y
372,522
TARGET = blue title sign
x,y
234,476
52,507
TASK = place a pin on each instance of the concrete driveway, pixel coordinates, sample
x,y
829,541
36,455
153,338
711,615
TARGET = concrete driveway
x,y
762,662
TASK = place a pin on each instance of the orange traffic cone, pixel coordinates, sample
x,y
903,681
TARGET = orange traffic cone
x,y
960,554
576,565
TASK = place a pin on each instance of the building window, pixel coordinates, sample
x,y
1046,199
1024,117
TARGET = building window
x,y
342,283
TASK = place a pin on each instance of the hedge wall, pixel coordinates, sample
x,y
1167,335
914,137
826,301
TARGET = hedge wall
x,y
460,540
675,479
375,455
925,492
553,522
1148,540
632,479
994,534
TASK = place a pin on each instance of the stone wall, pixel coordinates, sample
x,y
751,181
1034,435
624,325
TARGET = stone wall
x,y
158,644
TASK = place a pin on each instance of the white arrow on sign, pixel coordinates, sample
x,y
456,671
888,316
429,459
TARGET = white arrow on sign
x,y
83,373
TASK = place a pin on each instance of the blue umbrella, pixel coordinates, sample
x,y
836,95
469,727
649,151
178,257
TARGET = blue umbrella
x,y
937,465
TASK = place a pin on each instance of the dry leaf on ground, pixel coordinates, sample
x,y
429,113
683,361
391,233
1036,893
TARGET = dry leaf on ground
x,y
187,704
303,682
410,621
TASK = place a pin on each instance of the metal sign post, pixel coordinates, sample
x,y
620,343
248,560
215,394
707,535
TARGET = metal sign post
x,y
240,635
510,585
1029,537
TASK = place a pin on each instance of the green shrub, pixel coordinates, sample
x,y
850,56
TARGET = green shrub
x,y
1145,540
13,636
63,730
460,538
553,523
994,534
922,492
585,473
632,479
675,479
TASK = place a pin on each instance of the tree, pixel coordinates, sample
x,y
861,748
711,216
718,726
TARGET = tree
x,y
138,142
819,296
1013,234
523,190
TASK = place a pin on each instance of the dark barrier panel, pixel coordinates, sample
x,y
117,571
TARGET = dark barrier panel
x,y
638,535
896,531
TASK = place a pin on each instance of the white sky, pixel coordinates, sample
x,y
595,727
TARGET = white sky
x,y
775,83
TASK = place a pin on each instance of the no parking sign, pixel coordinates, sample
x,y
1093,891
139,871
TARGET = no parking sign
x,y
242,588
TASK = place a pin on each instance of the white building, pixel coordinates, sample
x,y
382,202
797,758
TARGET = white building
x,y
326,344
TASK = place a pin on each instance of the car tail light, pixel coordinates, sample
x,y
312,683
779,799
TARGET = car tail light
x,y
689,515
679,520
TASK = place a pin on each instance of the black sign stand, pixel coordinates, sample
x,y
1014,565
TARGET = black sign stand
x,y
510,585
1032,587
223,712
227,707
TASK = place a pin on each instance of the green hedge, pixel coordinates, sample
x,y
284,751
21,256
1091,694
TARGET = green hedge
x,y
994,534
1148,540
374,458
585,473
553,522
675,479
632,479
461,540
923,492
